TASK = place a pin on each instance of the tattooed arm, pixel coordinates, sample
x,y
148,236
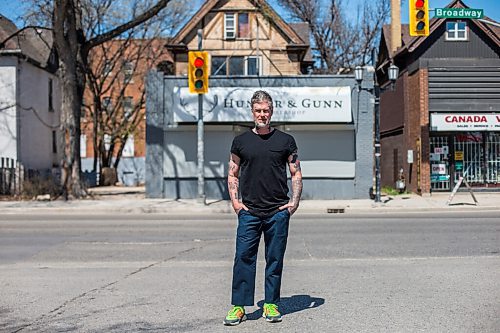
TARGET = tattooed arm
x,y
296,173
233,183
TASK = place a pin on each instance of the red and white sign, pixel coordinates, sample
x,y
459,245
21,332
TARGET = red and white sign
x,y
465,122
438,169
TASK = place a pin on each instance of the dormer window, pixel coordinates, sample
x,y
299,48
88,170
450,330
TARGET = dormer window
x,y
236,25
456,30
229,26
243,26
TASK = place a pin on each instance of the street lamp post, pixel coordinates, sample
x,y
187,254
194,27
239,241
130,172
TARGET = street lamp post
x,y
393,75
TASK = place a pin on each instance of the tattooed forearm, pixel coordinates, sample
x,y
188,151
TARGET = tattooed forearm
x,y
233,185
296,190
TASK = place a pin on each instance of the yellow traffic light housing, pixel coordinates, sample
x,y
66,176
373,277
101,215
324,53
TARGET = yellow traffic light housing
x,y
419,17
198,71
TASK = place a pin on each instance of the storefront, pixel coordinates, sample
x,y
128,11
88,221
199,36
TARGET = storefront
x,y
331,121
464,145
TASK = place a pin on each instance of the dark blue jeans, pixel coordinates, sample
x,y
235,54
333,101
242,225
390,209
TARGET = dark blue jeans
x,y
250,228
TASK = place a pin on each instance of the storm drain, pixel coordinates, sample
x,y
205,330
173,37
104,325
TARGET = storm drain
x,y
336,210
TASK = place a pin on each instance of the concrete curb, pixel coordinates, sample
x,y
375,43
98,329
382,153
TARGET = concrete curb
x,y
96,207
123,201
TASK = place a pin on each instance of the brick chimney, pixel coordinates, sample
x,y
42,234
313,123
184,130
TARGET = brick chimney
x,y
395,25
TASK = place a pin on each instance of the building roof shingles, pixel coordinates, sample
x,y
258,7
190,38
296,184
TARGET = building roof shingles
x,y
33,43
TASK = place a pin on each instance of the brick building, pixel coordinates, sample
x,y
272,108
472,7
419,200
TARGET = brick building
x,y
442,120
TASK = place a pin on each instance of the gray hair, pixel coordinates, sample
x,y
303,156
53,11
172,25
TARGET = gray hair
x,y
262,96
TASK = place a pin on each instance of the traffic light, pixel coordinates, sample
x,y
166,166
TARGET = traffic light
x,y
419,17
198,72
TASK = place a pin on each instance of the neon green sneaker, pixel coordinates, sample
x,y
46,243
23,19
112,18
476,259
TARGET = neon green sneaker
x,y
235,316
271,313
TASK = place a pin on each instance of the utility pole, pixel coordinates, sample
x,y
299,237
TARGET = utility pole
x,y
201,146
376,89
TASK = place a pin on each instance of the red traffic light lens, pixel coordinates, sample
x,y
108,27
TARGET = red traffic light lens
x,y
198,62
419,3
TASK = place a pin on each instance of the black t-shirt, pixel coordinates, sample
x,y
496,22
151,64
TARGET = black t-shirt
x,y
263,160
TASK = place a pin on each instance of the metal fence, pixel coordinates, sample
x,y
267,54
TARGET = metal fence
x,y
471,146
493,164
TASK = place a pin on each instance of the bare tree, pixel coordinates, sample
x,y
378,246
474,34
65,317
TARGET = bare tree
x,y
339,42
75,35
116,93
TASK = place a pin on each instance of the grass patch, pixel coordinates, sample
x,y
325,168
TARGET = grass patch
x,y
388,190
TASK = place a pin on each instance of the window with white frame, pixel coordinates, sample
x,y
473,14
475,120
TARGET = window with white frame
x,y
83,145
128,149
236,65
108,68
128,71
229,25
107,142
83,109
128,106
243,25
456,30
107,105
253,66
236,25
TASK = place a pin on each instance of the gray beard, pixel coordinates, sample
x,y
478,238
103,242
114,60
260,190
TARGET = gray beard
x,y
261,125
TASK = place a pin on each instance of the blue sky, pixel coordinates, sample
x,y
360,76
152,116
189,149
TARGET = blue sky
x,y
11,8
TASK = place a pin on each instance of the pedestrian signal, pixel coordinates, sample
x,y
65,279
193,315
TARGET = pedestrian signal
x,y
419,17
198,72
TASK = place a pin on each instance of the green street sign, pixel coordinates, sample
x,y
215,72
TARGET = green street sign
x,y
469,13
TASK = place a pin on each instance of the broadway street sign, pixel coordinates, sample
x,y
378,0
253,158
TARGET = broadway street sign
x,y
469,13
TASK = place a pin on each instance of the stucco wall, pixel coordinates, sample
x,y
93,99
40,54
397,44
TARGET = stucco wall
x,y
36,121
8,129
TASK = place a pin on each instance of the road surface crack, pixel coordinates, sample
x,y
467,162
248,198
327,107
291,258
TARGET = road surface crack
x,y
60,309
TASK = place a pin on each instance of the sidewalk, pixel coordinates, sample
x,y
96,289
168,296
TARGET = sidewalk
x,y
131,200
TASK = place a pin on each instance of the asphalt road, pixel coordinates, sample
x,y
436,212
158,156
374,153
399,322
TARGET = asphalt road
x,y
343,273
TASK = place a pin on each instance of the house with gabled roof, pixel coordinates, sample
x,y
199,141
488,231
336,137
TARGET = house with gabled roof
x,y
29,97
441,123
252,48
244,37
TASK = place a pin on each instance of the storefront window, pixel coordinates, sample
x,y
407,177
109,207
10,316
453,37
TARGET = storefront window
x,y
472,155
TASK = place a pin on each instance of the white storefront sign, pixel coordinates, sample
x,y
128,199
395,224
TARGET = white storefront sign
x,y
465,122
291,104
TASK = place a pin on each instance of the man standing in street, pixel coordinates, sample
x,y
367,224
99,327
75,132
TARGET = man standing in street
x,y
257,166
